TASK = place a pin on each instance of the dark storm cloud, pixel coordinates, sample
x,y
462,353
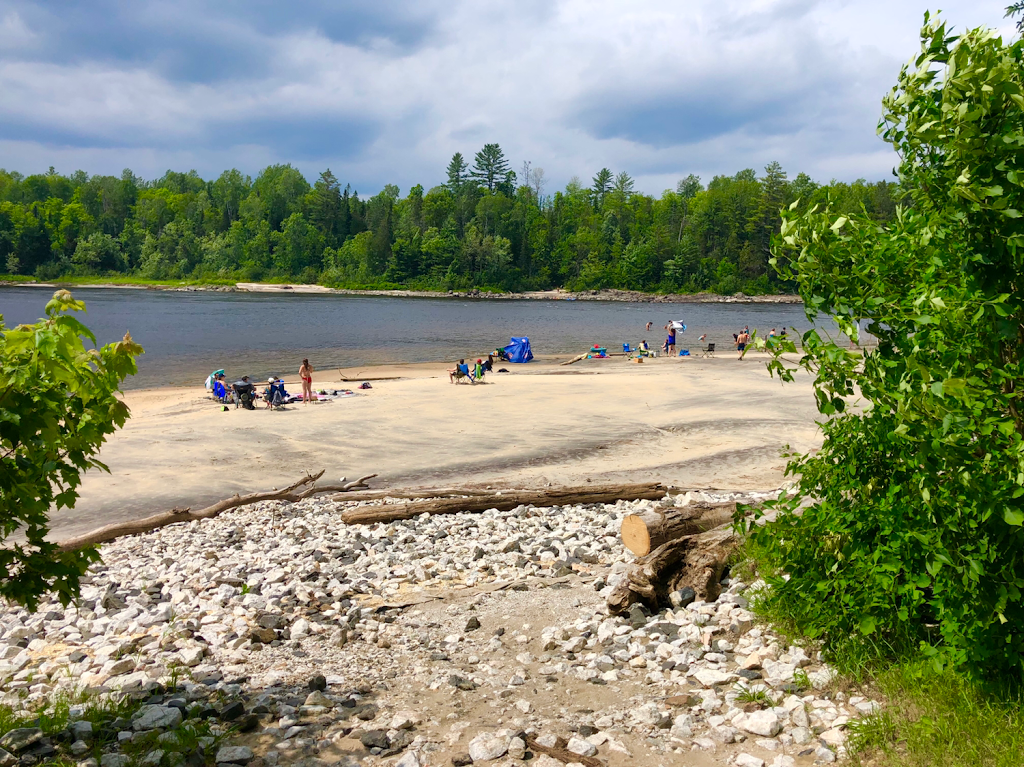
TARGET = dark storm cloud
x,y
205,42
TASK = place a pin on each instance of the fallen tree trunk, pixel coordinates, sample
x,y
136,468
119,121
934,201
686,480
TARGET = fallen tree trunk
x,y
577,358
505,501
296,491
647,530
696,561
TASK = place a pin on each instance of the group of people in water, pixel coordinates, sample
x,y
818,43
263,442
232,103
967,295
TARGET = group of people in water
x,y
243,392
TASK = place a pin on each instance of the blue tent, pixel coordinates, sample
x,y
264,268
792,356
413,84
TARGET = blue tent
x,y
519,350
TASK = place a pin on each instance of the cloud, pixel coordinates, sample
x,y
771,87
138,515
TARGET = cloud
x,y
386,92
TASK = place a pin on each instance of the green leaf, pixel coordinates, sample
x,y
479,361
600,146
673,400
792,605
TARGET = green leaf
x,y
1013,517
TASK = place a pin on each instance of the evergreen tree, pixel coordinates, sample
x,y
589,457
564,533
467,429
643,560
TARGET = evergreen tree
x,y
602,185
490,167
457,170
624,184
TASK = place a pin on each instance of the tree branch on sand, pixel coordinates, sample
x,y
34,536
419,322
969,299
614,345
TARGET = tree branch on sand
x,y
296,491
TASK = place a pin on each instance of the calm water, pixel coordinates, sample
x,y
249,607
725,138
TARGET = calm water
x,y
186,335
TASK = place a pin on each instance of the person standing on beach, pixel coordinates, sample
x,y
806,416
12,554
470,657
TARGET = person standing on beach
x,y
670,340
306,374
741,342
649,323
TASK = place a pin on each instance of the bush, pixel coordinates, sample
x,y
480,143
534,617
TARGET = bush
x,y
58,403
913,531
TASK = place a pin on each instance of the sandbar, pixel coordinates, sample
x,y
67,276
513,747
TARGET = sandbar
x,y
688,422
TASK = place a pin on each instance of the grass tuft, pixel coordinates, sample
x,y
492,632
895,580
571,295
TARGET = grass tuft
x,y
940,719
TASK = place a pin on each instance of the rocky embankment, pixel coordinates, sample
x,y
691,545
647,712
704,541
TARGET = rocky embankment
x,y
278,635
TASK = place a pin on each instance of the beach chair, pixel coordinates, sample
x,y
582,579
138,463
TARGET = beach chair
x,y
708,351
219,392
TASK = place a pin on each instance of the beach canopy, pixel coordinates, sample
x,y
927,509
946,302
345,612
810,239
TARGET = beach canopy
x,y
519,350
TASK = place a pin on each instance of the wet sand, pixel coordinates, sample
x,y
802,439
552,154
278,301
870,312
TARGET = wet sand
x,y
700,423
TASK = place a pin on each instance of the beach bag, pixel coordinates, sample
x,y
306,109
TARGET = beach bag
x,y
684,352
365,385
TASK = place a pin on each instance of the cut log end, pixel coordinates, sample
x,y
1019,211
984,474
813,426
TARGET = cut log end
x,y
635,535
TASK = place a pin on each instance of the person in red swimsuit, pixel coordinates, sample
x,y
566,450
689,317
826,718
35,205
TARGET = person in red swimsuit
x,y
306,374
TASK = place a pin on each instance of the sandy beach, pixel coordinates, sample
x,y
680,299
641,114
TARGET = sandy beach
x,y
700,423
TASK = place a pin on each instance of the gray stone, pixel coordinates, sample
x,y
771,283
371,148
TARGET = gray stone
x,y
114,760
234,755
81,730
21,738
153,717
7,758
374,739
79,748
409,759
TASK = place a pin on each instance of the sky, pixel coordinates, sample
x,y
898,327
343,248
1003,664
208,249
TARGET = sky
x,y
386,92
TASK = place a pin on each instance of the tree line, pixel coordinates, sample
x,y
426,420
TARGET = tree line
x,y
486,227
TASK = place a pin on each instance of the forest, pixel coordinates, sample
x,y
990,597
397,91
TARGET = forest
x,y
487,227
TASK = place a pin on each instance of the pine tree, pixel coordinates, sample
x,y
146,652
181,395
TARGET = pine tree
x,y
490,167
624,184
602,185
457,172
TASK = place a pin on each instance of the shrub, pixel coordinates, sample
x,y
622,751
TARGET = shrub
x,y
58,403
913,528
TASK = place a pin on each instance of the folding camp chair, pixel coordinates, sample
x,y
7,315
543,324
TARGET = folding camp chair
x,y
708,351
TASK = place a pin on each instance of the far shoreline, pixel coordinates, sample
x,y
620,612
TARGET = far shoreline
x,y
628,296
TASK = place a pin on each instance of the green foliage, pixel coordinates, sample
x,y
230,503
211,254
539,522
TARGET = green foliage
x,y
912,527
277,228
58,404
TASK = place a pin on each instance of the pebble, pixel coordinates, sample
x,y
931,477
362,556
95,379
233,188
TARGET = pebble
x,y
286,624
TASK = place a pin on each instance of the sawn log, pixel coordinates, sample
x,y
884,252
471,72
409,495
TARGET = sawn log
x,y
296,491
505,501
647,530
696,561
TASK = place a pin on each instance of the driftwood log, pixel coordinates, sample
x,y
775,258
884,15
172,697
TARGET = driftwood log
x,y
696,561
434,492
505,501
561,753
647,530
296,491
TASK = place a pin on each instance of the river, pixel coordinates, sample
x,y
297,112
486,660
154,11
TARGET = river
x,y
188,334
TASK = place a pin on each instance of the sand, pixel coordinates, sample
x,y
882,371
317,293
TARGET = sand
x,y
695,423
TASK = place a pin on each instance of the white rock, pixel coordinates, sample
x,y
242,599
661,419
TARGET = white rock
x,y
487,747
783,761
764,723
409,759
580,746
516,748
747,760
712,678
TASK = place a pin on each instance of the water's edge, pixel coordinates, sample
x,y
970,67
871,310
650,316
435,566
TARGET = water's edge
x,y
632,296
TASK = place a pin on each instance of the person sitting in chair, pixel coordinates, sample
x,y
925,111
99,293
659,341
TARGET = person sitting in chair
x,y
245,392
461,371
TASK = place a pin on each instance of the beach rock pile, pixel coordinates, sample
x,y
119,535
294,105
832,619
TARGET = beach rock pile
x,y
276,634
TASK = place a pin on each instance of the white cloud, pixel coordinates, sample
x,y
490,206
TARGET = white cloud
x,y
660,89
